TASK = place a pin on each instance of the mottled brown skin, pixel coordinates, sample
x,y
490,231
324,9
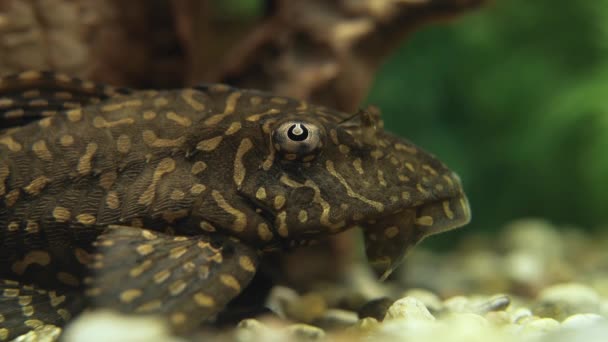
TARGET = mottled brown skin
x,y
160,202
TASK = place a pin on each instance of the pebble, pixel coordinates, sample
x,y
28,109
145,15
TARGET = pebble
x,y
580,321
304,332
336,319
409,308
376,308
562,300
428,298
105,325
306,308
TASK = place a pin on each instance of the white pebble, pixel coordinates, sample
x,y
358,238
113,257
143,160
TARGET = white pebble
x,y
579,321
409,308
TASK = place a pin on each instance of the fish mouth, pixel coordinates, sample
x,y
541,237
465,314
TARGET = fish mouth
x,y
388,239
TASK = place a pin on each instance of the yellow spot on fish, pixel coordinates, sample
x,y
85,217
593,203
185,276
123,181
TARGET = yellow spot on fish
x,y
239,166
12,145
198,167
82,256
246,263
149,115
12,197
160,102
30,75
45,123
130,295
4,334
279,100
209,144
282,224
165,166
260,193
61,214
33,323
264,232
86,219
447,210
100,122
179,119
68,279
41,150
152,140
177,287
149,306
177,195
32,227
123,143
197,189
74,115
230,106
240,221
206,226
381,179
27,310
161,276
410,167
36,186
330,167
178,318
188,97
233,128
203,300
84,163
257,117
230,281
303,216
66,140
144,249
121,105
402,147
344,149
141,268
333,135
424,221
279,202
112,200
391,232
177,252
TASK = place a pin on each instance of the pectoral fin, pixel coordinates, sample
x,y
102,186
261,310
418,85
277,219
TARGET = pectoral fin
x,y
187,279
24,308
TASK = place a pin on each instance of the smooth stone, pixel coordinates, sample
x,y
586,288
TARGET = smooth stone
x,y
580,321
105,325
305,332
45,333
306,308
409,308
457,304
563,300
539,326
336,318
428,298
278,298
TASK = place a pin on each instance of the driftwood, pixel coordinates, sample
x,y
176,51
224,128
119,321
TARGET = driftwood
x,y
326,51
323,50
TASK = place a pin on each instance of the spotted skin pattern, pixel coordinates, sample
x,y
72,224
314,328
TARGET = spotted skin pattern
x,y
161,202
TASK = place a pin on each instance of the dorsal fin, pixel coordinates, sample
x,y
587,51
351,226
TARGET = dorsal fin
x,y
32,95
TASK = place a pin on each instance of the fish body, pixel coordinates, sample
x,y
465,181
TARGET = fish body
x,y
162,202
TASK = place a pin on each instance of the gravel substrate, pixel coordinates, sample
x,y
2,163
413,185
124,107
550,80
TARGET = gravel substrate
x,y
532,282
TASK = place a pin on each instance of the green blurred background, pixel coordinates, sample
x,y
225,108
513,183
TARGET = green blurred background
x,y
514,97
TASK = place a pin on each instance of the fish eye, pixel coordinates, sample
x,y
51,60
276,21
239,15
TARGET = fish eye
x,y
298,139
